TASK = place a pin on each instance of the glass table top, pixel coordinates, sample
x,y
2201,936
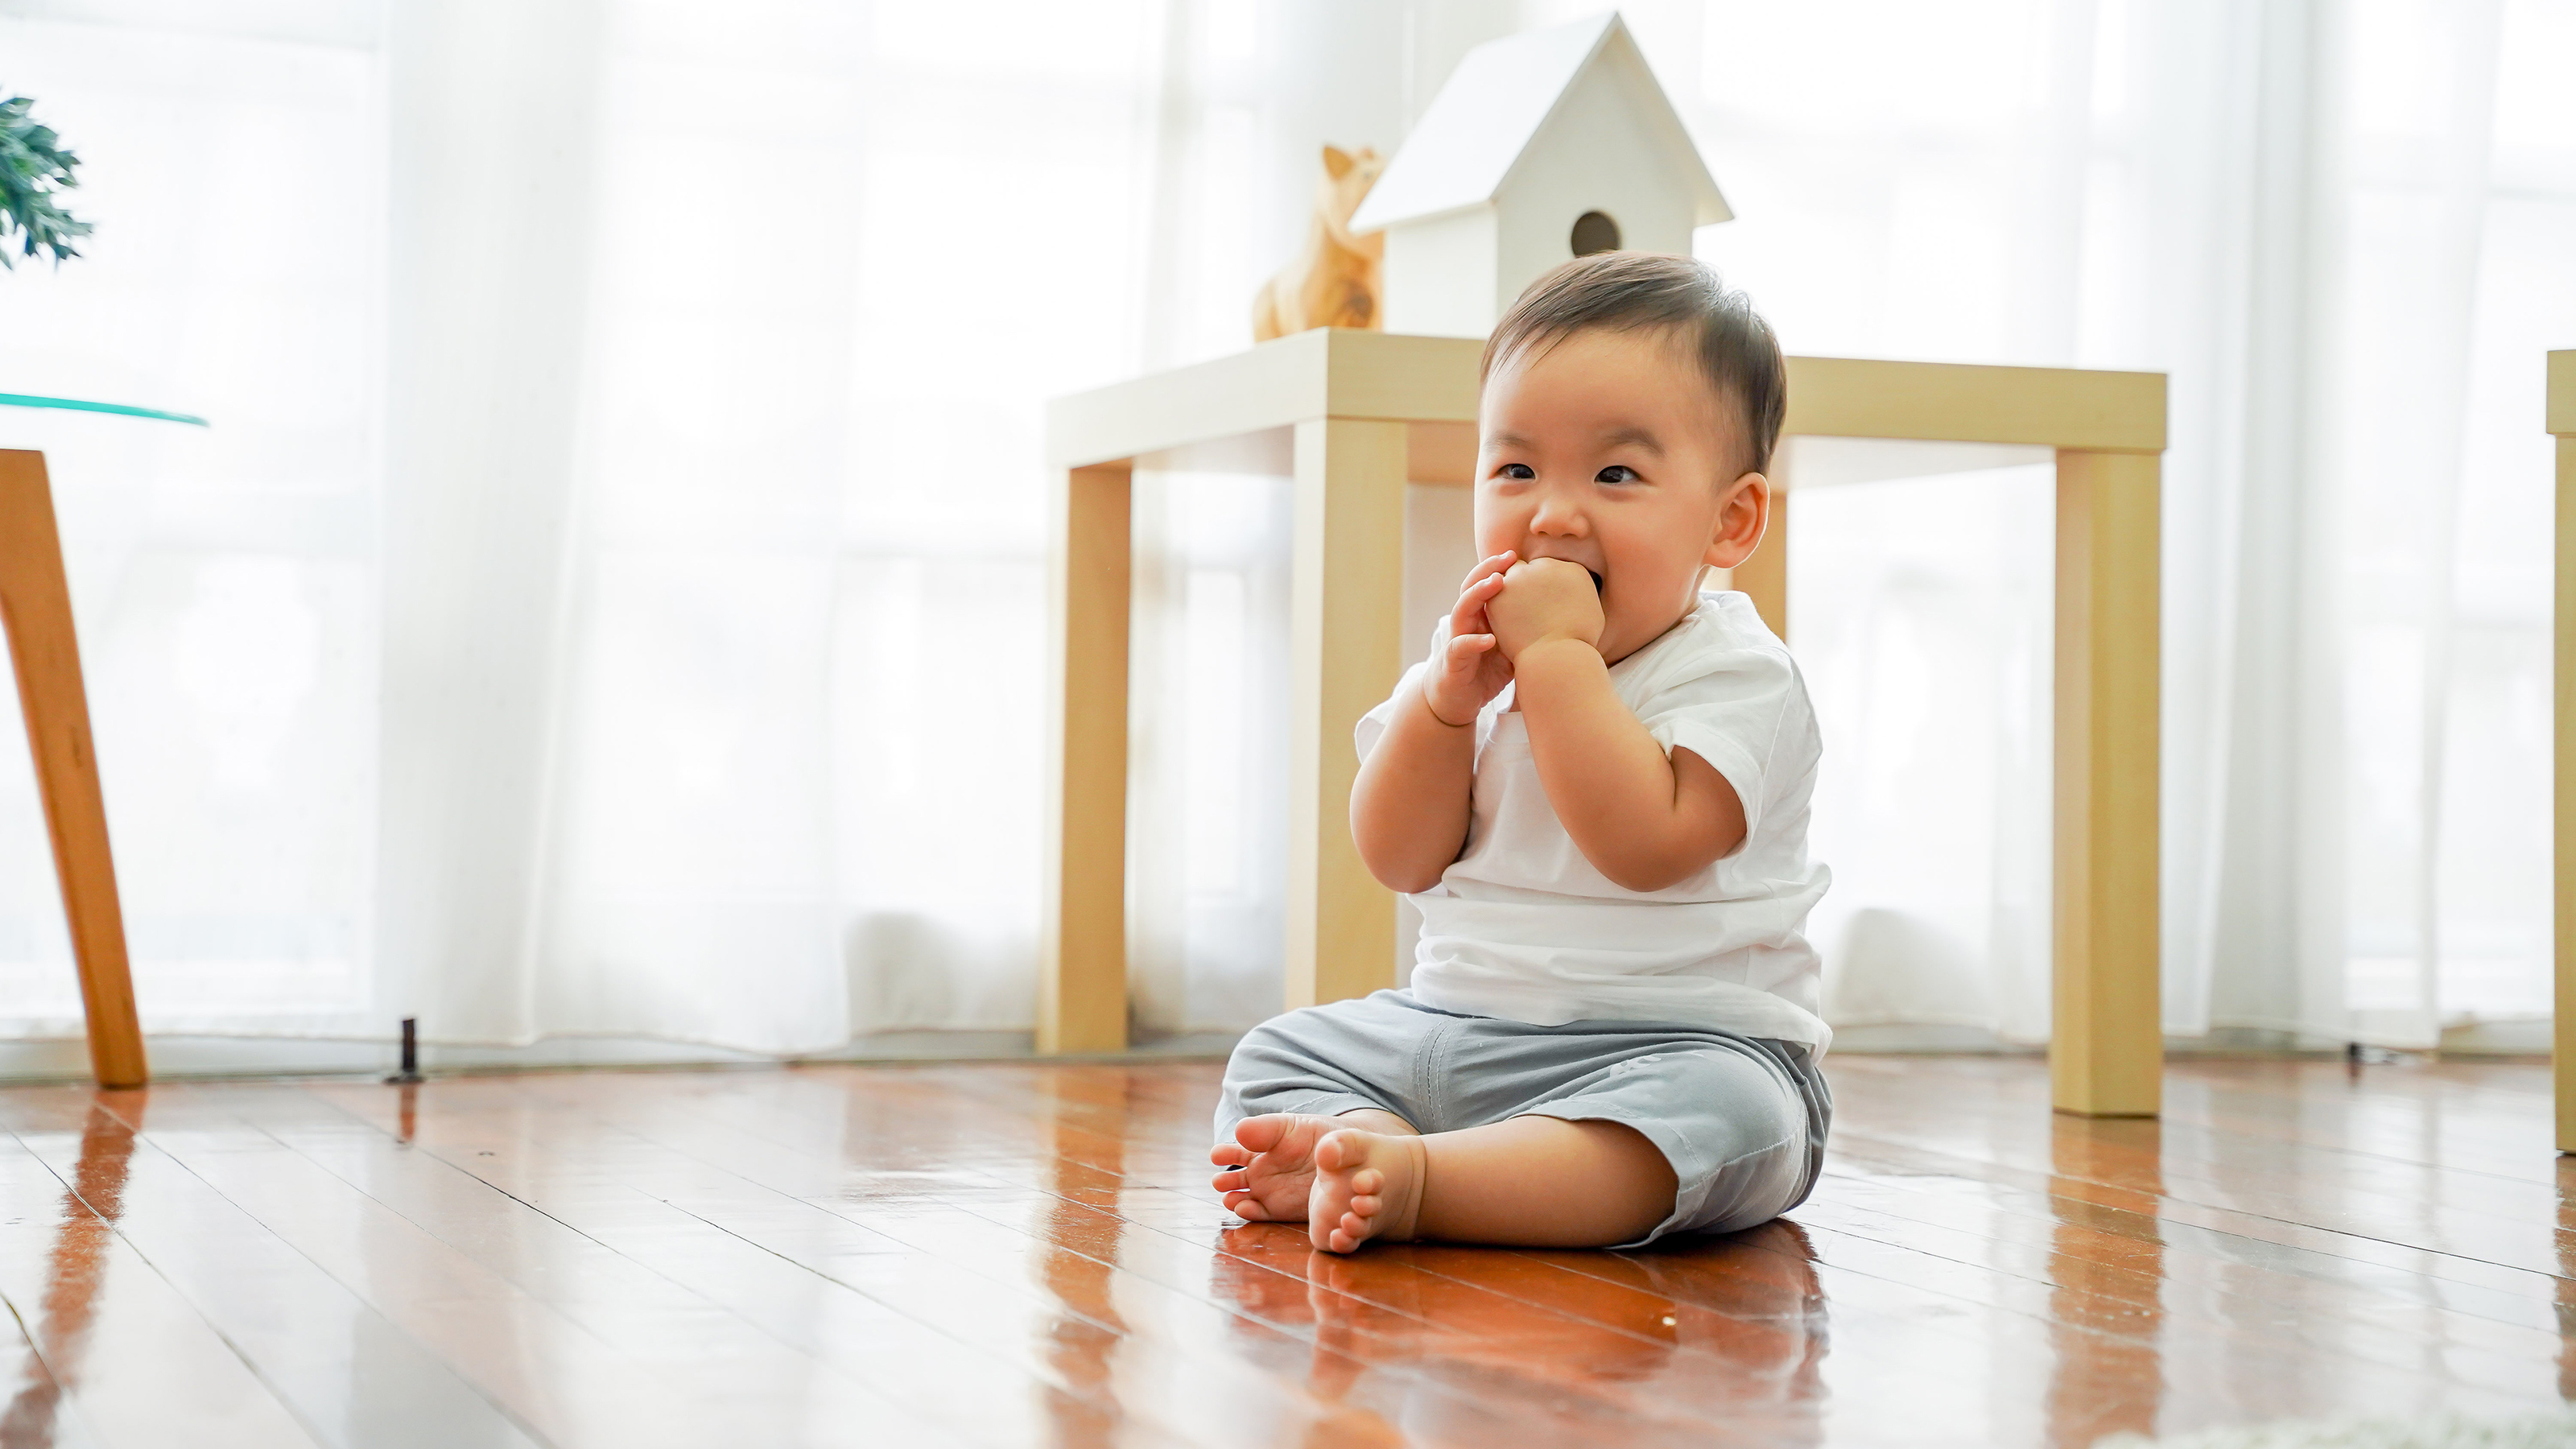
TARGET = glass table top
x,y
30,400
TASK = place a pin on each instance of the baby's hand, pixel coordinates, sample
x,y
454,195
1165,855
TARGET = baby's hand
x,y
1470,672
1545,598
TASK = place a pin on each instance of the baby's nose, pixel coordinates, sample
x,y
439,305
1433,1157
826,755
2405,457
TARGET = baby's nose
x,y
1556,515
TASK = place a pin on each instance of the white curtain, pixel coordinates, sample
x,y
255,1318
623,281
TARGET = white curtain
x,y
226,584
608,601
2344,231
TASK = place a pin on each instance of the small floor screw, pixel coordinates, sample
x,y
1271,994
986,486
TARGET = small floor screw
x,y
410,1073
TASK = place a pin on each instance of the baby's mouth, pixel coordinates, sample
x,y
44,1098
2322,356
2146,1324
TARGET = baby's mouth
x,y
1596,579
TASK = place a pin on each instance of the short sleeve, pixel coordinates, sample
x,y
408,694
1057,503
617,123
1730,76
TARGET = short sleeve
x,y
1741,713
1372,725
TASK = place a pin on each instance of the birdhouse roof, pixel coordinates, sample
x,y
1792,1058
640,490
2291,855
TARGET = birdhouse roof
x,y
1497,102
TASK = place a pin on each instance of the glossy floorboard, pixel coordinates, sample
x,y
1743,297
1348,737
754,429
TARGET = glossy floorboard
x,y
1009,1254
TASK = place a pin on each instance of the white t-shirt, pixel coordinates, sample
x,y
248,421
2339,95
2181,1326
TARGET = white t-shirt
x,y
1522,927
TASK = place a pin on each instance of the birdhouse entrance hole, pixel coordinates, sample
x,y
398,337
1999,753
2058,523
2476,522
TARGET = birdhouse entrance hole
x,y
1594,231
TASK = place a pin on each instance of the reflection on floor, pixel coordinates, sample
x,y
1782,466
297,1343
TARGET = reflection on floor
x,y
1008,1254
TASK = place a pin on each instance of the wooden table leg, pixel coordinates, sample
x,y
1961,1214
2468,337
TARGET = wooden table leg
x,y
1764,577
2106,1054
1082,966
36,603
2562,1058
1346,649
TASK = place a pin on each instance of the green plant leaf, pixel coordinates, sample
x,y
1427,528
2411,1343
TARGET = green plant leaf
x,y
34,168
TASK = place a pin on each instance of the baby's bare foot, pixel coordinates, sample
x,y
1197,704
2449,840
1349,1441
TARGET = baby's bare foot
x,y
1367,1185
1267,1173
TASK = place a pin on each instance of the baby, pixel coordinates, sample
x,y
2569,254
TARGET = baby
x,y
1595,789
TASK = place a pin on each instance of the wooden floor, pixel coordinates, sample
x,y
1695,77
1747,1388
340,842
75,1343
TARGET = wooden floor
x,y
1011,1254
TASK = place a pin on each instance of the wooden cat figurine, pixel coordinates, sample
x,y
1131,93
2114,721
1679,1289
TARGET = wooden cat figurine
x,y
1334,280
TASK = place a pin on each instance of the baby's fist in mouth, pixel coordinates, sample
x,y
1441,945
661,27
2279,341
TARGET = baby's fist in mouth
x,y
1543,599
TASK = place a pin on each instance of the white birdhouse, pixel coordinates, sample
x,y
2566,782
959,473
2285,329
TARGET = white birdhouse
x,y
1544,146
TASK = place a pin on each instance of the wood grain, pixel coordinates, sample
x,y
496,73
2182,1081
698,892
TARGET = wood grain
x,y
1764,577
1335,372
1368,410
36,602
2561,422
1345,651
2052,407
1082,951
1326,372
2107,1049
1005,1254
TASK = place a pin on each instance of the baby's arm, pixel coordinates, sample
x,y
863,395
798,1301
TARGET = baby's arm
x,y
1645,819
1410,804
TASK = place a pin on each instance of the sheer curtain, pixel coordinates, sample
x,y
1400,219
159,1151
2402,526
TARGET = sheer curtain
x,y
779,728
608,603
2342,229
225,583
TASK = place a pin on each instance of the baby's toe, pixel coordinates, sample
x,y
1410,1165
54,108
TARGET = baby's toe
x,y
1261,1134
1368,1180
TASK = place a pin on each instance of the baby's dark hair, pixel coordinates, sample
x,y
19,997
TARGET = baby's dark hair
x,y
1645,291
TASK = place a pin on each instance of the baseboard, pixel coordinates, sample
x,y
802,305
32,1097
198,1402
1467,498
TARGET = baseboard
x,y
1897,1038
199,1058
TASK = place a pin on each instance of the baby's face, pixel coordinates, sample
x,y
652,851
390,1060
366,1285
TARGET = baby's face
x,y
1610,450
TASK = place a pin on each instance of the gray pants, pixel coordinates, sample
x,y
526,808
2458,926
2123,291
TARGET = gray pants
x,y
1742,1119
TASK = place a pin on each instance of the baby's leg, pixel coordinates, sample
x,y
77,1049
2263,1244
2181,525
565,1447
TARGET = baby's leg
x,y
1565,1158
1533,1182
1297,1077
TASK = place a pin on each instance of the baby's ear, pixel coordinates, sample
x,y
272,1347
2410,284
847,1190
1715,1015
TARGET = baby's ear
x,y
1337,162
1741,522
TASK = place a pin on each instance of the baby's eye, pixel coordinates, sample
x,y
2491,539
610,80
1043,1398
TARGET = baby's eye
x,y
1522,471
1616,473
